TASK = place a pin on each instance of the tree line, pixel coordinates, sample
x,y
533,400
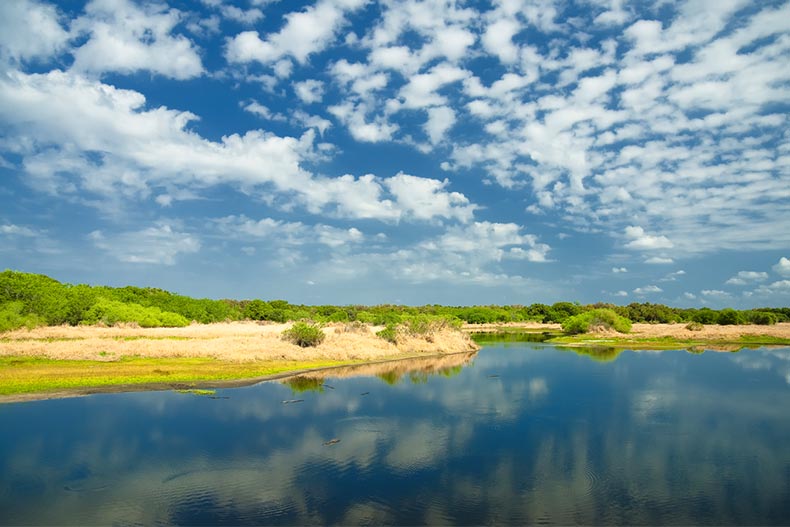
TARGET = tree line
x,y
29,300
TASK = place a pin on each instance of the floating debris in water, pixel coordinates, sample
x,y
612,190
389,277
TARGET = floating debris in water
x,y
493,376
327,386
365,393
291,401
219,397
332,442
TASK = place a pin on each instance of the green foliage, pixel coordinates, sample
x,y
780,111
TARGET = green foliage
x,y
763,318
12,317
596,318
694,326
50,302
730,317
111,312
389,334
304,334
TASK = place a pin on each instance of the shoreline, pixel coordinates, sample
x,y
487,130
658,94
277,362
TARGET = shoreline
x,y
346,370
66,361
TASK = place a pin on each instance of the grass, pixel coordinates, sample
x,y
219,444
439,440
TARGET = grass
x,y
27,375
659,343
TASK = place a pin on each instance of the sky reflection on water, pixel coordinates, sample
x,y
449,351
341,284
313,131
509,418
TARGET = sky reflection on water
x,y
520,433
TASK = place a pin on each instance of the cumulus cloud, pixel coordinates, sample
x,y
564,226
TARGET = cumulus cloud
x,y
304,33
643,241
286,233
647,290
619,270
124,38
160,244
747,277
309,91
659,260
30,30
143,148
9,229
782,267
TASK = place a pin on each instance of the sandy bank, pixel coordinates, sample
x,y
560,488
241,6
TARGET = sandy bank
x,y
676,331
232,341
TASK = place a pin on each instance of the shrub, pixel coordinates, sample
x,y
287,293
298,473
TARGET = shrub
x,y
596,318
763,318
694,326
389,334
304,334
12,317
730,317
111,312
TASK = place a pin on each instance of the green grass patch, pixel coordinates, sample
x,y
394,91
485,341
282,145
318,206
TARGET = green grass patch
x,y
24,375
659,343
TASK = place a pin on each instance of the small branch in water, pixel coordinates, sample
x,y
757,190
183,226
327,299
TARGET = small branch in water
x,y
291,401
332,442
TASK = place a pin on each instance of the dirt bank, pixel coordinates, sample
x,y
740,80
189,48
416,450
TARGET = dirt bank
x,y
232,341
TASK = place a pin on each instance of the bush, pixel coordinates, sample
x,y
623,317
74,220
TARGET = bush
x,y
596,318
304,334
12,317
763,318
111,312
389,334
694,326
730,317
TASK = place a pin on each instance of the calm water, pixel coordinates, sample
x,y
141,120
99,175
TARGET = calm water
x,y
520,433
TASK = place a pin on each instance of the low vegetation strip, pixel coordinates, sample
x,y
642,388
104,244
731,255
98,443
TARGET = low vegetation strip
x,y
31,300
25,375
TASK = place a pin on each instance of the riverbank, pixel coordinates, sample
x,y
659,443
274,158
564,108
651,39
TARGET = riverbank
x,y
54,359
653,336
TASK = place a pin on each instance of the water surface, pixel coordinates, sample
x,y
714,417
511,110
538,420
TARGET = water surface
x,y
521,433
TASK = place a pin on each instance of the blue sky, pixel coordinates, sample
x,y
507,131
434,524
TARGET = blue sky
x,y
351,151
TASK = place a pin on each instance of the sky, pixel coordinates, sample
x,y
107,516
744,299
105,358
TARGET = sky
x,y
410,152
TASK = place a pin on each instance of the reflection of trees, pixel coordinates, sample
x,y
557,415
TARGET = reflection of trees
x,y
392,372
300,384
599,354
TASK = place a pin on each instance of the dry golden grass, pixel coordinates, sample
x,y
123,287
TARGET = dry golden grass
x,y
234,341
679,331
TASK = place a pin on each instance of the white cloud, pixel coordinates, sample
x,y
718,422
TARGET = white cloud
x,y
309,91
143,148
425,198
619,270
780,287
747,277
256,108
647,289
30,30
498,39
9,229
714,293
496,240
782,267
672,277
355,118
440,120
125,38
286,233
620,293
159,245
305,32
690,296
643,241
659,260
